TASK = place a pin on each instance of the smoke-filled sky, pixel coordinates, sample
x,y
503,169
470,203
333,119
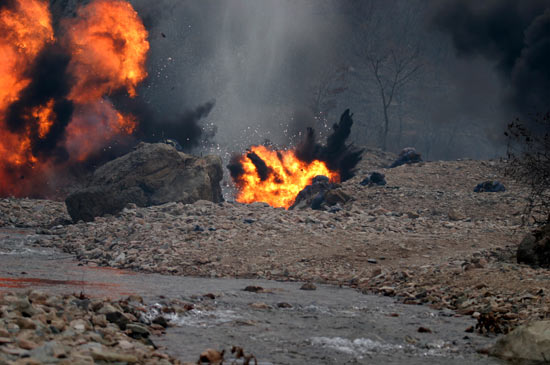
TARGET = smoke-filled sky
x,y
246,71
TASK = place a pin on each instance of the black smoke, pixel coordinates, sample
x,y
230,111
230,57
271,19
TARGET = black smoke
x,y
49,81
186,128
515,35
8,4
337,154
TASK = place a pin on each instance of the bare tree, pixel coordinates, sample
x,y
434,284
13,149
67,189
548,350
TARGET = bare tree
x,y
392,71
389,59
529,163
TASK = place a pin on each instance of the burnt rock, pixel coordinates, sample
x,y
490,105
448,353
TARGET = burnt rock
x,y
374,178
152,174
489,187
313,195
534,249
407,156
321,194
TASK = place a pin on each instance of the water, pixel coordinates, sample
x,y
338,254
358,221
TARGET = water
x,y
330,325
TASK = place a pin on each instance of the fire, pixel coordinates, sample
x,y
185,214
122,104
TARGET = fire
x,y
45,117
278,180
109,48
106,48
25,30
100,120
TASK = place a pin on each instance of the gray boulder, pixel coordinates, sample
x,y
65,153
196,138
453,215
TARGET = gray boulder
x,y
152,174
528,342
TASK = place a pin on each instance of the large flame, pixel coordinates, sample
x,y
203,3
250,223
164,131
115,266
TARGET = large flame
x,y
286,177
107,45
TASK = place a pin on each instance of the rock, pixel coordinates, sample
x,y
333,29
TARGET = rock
x,y
534,249
455,215
489,187
118,318
211,356
527,342
387,290
407,156
284,305
100,354
313,196
336,196
308,286
137,330
374,178
152,174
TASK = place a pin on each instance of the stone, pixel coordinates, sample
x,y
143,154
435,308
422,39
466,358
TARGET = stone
x,y
100,354
527,342
489,187
374,178
534,249
336,196
152,174
308,286
313,195
407,156
137,330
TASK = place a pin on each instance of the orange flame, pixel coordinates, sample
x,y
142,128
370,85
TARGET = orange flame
x,y
24,31
45,117
108,46
288,176
99,120
109,49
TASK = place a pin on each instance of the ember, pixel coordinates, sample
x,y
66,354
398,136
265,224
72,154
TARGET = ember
x,y
52,89
277,177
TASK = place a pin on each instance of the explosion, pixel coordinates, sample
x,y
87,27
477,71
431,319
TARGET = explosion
x,y
276,177
53,110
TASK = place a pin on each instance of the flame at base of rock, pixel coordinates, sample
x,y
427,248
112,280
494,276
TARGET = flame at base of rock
x,y
274,177
277,177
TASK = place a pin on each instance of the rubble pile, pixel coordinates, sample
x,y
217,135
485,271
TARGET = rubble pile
x,y
37,328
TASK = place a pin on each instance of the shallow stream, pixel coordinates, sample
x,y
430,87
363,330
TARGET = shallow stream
x,y
287,325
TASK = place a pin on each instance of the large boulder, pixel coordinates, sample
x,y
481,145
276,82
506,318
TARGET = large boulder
x,y
152,174
534,249
528,342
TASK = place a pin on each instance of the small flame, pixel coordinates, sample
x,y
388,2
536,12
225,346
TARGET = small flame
x,y
287,176
45,117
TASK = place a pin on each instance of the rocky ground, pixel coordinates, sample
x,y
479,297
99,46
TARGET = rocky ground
x,y
37,328
426,237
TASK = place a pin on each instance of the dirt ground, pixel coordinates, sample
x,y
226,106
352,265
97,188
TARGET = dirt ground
x,y
425,238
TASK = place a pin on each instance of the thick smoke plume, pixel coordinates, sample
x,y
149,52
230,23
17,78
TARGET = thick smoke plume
x,y
338,155
513,34
186,128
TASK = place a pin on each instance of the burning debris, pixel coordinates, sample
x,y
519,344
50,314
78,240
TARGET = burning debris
x,y
277,177
53,109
